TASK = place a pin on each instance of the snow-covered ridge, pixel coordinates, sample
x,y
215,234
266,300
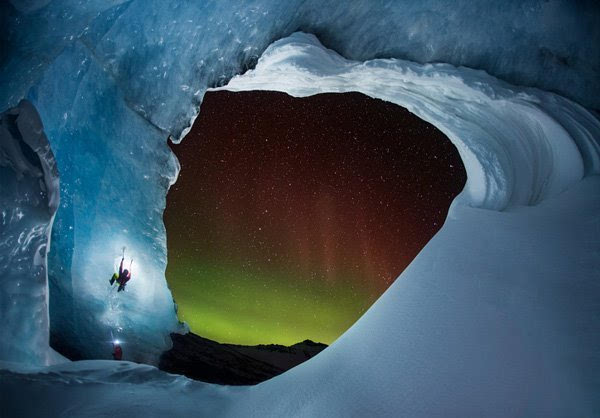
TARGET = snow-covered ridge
x,y
519,145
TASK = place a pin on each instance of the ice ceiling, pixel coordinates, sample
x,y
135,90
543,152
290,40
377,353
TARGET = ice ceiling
x,y
498,313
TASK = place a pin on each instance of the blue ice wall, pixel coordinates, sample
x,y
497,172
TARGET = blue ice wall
x,y
29,197
112,79
547,44
119,169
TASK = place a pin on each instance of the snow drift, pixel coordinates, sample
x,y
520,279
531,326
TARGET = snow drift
x,y
498,313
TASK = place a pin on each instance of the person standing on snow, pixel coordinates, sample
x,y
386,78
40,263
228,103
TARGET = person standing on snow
x,y
117,351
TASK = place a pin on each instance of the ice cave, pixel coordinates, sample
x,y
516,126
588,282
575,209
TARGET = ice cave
x,y
497,316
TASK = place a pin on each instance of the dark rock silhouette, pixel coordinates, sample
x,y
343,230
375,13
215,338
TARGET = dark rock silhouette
x,y
229,364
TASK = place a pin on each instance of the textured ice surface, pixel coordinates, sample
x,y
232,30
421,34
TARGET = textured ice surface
x,y
186,46
519,145
29,197
497,315
113,79
119,168
101,388
29,6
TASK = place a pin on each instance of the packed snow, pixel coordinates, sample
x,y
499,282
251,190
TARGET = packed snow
x,y
498,314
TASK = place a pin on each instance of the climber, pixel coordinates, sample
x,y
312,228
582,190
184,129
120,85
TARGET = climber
x,y
117,350
124,275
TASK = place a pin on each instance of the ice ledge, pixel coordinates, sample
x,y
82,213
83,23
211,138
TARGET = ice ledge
x,y
519,145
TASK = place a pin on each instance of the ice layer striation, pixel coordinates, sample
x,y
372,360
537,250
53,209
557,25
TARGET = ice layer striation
x,y
28,201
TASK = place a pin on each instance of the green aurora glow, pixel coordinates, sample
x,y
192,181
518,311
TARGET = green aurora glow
x,y
226,303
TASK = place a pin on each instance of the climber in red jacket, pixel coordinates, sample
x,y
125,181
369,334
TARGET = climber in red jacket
x,y
117,351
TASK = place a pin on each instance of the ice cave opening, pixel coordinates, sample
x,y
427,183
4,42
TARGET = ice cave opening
x,y
291,216
496,316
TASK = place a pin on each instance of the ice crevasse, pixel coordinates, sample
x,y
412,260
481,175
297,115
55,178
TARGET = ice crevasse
x,y
497,314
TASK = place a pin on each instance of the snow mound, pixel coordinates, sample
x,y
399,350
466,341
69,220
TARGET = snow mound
x,y
100,388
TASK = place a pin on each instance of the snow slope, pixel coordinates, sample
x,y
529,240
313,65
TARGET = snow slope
x,y
497,316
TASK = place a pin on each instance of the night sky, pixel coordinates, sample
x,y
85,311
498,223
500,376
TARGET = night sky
x,y
291,216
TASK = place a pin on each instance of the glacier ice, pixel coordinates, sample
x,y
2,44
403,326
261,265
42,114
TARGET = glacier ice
x,y
29,198
112,197
113,79
185,47
29,6
519,145
497,314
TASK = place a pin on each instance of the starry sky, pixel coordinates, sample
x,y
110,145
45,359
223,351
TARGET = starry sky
x,y
291,216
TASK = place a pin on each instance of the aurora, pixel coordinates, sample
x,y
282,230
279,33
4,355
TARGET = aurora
x,y
291,216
